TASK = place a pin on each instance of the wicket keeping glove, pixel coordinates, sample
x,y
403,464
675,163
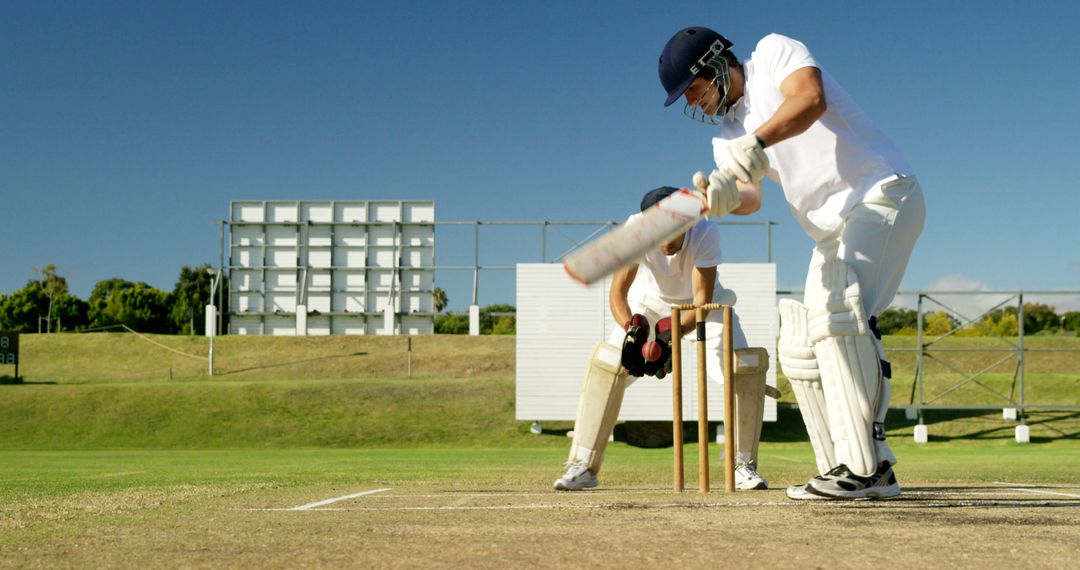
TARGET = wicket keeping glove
x,y
637,332
661,366
747,159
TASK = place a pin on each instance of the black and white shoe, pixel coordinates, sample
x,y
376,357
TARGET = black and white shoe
x,y
841,483
799,493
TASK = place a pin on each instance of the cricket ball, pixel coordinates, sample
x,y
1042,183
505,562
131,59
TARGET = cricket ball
x,y
651,351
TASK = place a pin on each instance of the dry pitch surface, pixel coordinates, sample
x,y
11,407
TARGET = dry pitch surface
x,y
981,526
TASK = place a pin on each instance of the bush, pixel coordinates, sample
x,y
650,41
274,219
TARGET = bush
x,y
505,325
939,323
489,324
452,324
1070,321
892,321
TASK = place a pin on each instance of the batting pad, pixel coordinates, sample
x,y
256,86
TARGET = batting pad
x,y
799,364
850,365
751,364
598,407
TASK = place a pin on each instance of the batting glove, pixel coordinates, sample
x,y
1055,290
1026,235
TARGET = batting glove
x,y
721,191
747,159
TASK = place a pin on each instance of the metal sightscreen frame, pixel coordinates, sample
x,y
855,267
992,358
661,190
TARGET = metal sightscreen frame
x,y
1015,350
303,255
302,251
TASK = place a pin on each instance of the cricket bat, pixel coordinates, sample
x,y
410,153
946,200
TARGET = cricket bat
x,y
628,243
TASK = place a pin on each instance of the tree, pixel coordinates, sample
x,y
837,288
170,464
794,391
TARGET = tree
x,y
1039,317
52,285
1003,322
895,320
441,299
190,296
20,311
489,323
137,305
488,320
70,312
452,324
1070,321
939,323
99,300
504,325
143,308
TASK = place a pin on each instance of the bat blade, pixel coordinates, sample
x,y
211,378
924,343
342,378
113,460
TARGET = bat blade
x,y
626,244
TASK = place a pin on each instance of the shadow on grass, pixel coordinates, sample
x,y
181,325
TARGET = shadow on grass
x,y
789,428
13,381
957,425
984,425
1057,419
6,380
289,363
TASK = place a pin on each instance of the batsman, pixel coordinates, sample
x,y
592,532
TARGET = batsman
x,y
782,116
680,271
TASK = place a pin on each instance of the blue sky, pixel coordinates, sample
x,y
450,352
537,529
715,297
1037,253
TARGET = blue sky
x,y
127,127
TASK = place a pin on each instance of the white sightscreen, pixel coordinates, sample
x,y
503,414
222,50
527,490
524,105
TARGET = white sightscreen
x,y
559,321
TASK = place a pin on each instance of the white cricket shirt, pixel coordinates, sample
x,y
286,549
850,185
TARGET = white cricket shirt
x,y
669,276
826,170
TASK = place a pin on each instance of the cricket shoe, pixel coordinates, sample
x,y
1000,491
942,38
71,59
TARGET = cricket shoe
x,y
576,478
799,493
747,478
841,483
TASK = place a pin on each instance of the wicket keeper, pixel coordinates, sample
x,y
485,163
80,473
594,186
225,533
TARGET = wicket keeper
x,y
679,272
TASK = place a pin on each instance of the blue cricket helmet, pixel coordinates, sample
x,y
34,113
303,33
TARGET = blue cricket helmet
x,y
684,57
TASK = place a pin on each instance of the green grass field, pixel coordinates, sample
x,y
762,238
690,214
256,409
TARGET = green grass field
x,y
105,462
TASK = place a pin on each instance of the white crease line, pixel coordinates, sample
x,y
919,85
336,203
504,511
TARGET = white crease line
x,y
1070,495
550,506
513,495
310,506
1033,485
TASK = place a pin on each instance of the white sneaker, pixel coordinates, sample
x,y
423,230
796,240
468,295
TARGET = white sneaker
x,y
747,478
841,483
576,478
799,493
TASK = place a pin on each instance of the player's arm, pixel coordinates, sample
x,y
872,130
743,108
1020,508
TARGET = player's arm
x,y
749,199
804,103
620,288
702,283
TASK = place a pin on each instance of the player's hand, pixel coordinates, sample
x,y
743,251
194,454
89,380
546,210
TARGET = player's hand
x,y
661,365
721,191
747,159
637,332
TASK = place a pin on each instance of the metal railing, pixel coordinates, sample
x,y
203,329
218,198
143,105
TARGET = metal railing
x,y
1014,349
547,226
929,349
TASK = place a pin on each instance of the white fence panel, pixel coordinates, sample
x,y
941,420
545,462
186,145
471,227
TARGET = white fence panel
x,y
560,321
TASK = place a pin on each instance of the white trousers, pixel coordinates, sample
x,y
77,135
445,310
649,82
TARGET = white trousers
x,y
655,308
876,240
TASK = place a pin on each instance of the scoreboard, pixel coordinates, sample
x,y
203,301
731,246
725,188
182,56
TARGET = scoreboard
x,y
9,348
